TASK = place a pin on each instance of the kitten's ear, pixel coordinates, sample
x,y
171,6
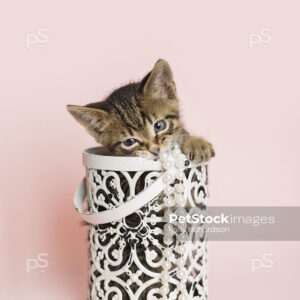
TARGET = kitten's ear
x,y
94,120
159,83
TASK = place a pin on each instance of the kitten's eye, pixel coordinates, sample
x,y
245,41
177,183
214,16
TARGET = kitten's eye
x,y
130,142
159,126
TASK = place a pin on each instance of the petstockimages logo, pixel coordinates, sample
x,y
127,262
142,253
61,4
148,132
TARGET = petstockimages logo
x,y
199,219
233,224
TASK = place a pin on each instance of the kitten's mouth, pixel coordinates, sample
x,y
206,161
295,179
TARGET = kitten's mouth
x,y
149,154
155,153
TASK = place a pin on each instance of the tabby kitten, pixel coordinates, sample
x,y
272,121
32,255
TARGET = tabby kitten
x,y
141,119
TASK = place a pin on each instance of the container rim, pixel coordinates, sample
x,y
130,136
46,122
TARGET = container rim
x,y
95,158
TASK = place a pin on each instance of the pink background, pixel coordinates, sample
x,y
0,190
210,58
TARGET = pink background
x,y
243,97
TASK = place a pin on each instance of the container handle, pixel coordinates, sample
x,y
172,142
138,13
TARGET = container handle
x,y
121,211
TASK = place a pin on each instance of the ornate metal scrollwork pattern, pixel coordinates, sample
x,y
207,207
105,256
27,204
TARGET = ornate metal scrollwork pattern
x,y
126,258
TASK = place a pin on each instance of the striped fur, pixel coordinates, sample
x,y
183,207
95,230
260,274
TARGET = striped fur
x,y
132,112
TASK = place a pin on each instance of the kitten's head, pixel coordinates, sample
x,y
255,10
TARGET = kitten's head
x,y
138,119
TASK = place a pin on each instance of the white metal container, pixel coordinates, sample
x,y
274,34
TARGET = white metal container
x,y
129,257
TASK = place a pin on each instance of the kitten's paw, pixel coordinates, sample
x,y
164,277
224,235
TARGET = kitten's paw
x,y
197,149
